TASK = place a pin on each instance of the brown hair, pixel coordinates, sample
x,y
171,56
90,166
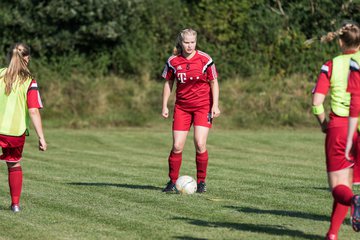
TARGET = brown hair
x,y
349,34
17,69
178,48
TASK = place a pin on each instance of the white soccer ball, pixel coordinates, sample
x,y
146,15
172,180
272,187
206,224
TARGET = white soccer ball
x,y
186,185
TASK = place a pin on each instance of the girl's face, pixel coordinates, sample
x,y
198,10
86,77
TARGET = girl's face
x,y
27,59
188,44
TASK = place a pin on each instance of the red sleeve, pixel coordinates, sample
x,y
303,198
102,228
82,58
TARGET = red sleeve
x,y
354,105
354,78
323,81
33,96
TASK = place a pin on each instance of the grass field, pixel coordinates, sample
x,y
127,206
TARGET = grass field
x,y
106,184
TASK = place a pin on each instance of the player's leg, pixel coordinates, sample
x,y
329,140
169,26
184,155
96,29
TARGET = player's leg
x,y
340,184
15,175
202,125
181,126
339,177
202,158
175,157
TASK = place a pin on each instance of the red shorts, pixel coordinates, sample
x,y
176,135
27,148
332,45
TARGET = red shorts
x,y
335,144
200,116
12,148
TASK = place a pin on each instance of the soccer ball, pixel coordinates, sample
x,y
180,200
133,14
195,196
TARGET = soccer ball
x,y
186,185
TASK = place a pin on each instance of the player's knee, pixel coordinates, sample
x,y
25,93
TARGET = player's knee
x,y
177,148
200,147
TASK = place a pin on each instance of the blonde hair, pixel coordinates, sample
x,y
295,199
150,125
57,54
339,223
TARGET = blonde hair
x,y
178,47
349,34
17,69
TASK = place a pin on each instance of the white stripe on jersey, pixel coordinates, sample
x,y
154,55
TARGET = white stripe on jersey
x,y
354,65
166,69
39,100
209,60
167,65
34,84
172,67
325,68
213,71
204,54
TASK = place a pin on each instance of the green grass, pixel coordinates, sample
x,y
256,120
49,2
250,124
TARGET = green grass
x,y
106,184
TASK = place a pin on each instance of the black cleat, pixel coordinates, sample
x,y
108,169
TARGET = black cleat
x,y
355,218
170,187
201,187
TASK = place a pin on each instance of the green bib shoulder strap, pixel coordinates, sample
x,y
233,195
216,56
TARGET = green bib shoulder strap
x,y
340,99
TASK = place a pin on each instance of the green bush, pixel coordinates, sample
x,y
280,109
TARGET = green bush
x,y
99,62
132,38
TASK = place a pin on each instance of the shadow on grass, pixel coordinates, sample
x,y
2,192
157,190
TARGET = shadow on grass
x,y
322,188
2,208
282,213
255,228
189,238
120,185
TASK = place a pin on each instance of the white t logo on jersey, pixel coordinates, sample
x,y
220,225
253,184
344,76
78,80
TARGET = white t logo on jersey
x,y
181,77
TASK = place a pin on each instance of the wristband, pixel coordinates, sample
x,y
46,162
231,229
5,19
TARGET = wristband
x,y
317,110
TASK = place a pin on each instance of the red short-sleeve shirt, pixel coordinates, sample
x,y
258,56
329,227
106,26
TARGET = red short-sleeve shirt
x,y
33,96
323,82
192,78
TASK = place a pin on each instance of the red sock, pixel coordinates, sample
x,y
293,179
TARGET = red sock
x,y
337,217
342,194
174,165
15,184
201,166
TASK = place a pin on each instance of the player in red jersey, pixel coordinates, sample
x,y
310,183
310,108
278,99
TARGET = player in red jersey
x,y
197,103
19,99
334,77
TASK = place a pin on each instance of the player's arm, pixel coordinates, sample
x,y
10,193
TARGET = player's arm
x,y
318,110
34,103
215,91
354,89
319,92
353,121
168,85
35,117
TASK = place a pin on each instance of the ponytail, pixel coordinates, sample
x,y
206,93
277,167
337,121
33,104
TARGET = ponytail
x,y
349,33
17,69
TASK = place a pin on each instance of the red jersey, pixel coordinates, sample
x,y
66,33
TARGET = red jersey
x,y
33,96
193,76
323,82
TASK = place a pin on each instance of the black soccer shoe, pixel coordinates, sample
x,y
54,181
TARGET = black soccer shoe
x,y
170,187
355,217
201,187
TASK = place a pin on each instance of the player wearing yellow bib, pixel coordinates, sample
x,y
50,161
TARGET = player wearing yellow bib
x,y
333,77
19,102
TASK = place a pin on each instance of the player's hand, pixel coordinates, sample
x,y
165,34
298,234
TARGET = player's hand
x,y
42,144
324,127
348,152
165,112
215,112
